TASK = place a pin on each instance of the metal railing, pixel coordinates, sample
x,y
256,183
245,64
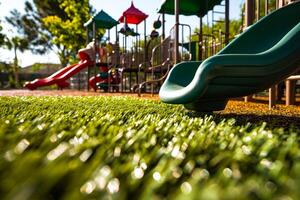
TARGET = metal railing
x,y
160,56
167,64
181,41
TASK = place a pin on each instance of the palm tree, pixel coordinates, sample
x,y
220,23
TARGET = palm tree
x,y
17,44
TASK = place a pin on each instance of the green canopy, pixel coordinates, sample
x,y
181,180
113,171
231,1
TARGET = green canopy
x,y
102,20
189,7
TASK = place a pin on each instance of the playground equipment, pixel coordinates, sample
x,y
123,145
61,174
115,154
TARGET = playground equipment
x,y
88,56
175,48
153,66
106,79
60,77
130,59
117,67
260,57
198,8
107,55
162,60
254,10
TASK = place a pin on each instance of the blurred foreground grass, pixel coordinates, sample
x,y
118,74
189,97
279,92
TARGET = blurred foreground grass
x,y
127,148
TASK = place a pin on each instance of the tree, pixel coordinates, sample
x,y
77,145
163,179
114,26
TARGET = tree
x,y
29,27
44,35
67,30
2,36
235,29
17,44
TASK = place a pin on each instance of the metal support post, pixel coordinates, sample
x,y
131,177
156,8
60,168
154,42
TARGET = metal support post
x,y
249,20
95,48
176,39
227,22
163,35
272,97
200,43
266,7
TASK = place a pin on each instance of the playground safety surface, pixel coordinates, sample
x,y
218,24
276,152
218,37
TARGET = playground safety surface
x,y
254,111
69,93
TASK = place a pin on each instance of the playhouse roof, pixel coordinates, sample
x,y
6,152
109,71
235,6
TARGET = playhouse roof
x,y
102,20
189,7
133,15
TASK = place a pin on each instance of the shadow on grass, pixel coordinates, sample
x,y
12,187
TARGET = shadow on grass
x,y
273,121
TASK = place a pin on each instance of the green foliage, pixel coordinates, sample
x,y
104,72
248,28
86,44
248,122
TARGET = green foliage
x,y
36,67
271,6
4,67
16,43
262,9
125,148
2,36
65,34
67,30
234,29
8,69
29,28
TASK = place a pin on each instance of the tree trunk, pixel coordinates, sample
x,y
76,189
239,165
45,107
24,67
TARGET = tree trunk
x,y
63,57
16,70
63,61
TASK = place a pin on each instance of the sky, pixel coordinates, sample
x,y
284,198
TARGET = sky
x,y
115,8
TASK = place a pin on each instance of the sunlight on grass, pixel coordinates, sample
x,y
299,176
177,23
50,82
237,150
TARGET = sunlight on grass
x,y
123,148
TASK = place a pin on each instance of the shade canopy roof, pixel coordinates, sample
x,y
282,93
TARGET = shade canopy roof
x,y
189,7
102,20
133,15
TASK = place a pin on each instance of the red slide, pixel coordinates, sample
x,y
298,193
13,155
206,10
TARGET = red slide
x,y
59,78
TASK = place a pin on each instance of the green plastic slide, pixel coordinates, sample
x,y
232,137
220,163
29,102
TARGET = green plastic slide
x,y
266,53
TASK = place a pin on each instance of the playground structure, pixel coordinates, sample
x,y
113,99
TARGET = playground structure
x,y
132,55
87,58
247,65
128,66
254,10
106,54
206,45
114,68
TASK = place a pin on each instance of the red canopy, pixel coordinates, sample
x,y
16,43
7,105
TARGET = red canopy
x,y
133,15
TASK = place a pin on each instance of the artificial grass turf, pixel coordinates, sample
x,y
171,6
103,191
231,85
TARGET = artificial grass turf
x,y
126,148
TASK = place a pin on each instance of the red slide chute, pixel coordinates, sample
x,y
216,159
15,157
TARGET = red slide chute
x,y
60,77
